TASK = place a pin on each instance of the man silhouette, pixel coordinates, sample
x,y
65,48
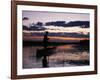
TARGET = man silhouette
x,y
45,40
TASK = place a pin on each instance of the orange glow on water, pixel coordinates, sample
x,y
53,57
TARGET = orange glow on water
x,y
54,38
68,38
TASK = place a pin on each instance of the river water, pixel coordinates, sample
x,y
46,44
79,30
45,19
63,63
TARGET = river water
x,y
36,56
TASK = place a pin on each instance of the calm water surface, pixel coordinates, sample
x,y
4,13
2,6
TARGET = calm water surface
x,y
55,56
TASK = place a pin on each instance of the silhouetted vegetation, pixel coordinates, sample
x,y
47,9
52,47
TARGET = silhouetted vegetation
x,y
82,24
56,23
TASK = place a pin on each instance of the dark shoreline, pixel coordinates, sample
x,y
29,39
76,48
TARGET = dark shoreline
x,y
31,43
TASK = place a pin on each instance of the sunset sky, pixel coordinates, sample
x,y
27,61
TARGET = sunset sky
x,y
36,16
30,17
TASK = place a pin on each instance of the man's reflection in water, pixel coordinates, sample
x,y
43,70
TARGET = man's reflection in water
x,y
44,61
45,43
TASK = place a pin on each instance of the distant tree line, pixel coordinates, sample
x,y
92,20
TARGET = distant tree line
x,y
82,24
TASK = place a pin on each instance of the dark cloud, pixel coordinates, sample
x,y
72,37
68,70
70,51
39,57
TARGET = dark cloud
x,y
25,18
